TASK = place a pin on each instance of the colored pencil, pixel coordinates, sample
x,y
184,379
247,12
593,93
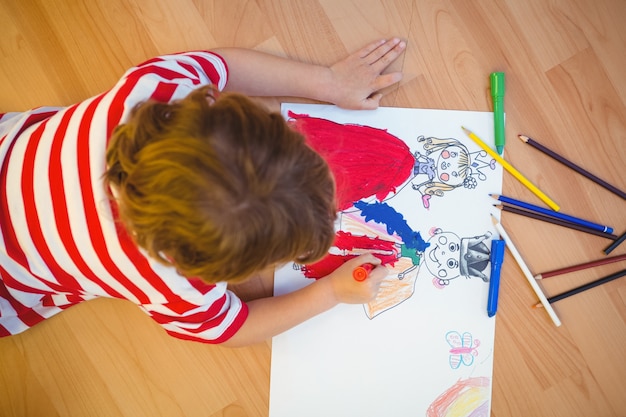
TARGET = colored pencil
x,y
529,276
615,244
573,166
559,222
558,215
579,267
518,175
584,287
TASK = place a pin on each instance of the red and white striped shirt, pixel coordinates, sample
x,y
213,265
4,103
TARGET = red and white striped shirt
x,y
59,244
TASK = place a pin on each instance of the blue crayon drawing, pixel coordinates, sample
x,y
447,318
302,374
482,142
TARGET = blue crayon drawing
x,y
382,213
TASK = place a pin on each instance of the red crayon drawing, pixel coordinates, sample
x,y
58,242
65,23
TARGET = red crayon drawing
x,y
364,160
369,166
367,163
349,246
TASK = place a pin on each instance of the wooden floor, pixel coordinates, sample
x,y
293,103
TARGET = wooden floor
x,y
565,62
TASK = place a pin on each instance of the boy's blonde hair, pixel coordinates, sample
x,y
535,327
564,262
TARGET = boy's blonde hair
x,y
219,187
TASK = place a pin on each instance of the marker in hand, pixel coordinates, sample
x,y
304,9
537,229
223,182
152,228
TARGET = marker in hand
x,y
360,273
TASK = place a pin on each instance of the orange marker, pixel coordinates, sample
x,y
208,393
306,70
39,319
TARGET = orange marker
x,y
360,273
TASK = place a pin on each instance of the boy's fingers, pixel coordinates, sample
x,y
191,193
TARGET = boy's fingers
x,y
381,50
372,102
386,54
377,276
370,48
370,258
385,80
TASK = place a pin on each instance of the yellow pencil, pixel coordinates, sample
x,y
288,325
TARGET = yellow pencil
x,y
532,187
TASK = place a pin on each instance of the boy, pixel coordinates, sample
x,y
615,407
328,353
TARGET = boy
x,y
162,190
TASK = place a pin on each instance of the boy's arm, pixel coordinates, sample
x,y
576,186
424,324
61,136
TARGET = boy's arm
x,y
270,316
354,82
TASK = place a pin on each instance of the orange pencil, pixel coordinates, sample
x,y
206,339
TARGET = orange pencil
x,y
360,273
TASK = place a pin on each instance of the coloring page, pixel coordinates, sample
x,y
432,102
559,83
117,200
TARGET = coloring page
x,y
413,189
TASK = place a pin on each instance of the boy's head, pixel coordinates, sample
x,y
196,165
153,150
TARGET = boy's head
x,y
220,187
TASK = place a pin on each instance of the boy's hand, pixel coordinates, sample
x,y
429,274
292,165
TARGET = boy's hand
x,y
350,291
358,79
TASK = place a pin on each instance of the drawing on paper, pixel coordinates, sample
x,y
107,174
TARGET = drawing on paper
x,y
368,223
466,398
449,257
463,348
356,151
418,198
446,165
357,234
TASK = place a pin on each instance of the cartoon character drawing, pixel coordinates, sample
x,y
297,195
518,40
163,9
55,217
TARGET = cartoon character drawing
x,y
368,223
424,165
446,166
449,257
463,348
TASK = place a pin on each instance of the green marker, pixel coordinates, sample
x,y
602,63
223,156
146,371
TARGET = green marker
x,y
497,94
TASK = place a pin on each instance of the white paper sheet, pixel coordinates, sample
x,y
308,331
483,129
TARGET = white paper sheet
x,y
431,352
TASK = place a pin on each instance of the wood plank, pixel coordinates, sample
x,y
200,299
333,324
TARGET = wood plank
x,y
566,87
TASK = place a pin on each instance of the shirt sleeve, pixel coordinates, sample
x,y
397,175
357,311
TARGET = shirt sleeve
x,y
199,67
164,78
213,315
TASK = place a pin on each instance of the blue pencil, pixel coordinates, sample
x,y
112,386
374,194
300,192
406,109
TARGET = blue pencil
x,y
554,214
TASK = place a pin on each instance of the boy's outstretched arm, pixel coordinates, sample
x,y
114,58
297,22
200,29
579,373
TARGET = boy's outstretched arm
x,y
270,316
353,83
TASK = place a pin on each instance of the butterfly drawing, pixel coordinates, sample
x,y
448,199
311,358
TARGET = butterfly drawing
x,y
463,348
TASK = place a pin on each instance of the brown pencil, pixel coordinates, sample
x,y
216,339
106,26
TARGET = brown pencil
x,y
580,267
572,165
553,220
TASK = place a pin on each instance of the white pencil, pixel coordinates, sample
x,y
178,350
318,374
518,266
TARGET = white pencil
x,y
526,271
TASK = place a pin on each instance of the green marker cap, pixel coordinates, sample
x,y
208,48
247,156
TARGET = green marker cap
x,y
497,94
497,84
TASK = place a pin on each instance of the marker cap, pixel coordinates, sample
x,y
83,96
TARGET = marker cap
x,y
497,84
360,273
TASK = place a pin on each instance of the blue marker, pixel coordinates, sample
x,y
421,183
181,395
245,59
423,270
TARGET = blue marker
x,y
497,256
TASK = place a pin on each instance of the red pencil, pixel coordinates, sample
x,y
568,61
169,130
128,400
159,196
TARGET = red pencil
x,y
603,261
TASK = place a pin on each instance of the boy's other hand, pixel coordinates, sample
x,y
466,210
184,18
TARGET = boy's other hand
x,y
358,78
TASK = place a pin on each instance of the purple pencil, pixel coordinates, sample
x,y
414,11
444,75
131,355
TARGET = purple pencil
x,y
572,165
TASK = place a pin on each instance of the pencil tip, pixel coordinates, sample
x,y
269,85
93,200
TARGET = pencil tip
x,y
523,138
538,276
